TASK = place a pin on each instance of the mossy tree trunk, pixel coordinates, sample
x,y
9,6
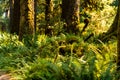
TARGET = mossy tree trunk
x,y
48,16
70,14
26,19
118,41
16,17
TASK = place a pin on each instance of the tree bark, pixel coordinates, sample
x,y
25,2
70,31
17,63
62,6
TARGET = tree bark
x,y
48,16
35,13
70,14
16,17
118,40
26,18
11,3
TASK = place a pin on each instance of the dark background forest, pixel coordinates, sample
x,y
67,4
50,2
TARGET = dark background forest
x,y
59,40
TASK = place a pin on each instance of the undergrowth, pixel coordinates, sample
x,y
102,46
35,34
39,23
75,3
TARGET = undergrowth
x,y
66,56
63,57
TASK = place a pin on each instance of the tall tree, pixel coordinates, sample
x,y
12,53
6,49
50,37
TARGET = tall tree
x,y
118,37
70,14
35,13
11,4
26,18
16,17
48,15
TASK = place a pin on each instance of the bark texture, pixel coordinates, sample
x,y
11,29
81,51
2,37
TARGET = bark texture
x,y
26,18
118,41
16,17
11,3
48,16
35,13
70,14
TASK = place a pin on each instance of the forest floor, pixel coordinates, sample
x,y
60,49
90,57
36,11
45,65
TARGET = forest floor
x,y
5,76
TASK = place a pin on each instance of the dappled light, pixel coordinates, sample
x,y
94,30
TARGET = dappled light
x,y
59,40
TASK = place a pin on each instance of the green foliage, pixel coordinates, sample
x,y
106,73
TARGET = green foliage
x,y
62,56
3,6
80,60
12,51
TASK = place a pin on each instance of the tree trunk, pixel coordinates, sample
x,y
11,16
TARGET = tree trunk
x,y
118,37
26,18
48,16
16,17
70,14
11,3
35,13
